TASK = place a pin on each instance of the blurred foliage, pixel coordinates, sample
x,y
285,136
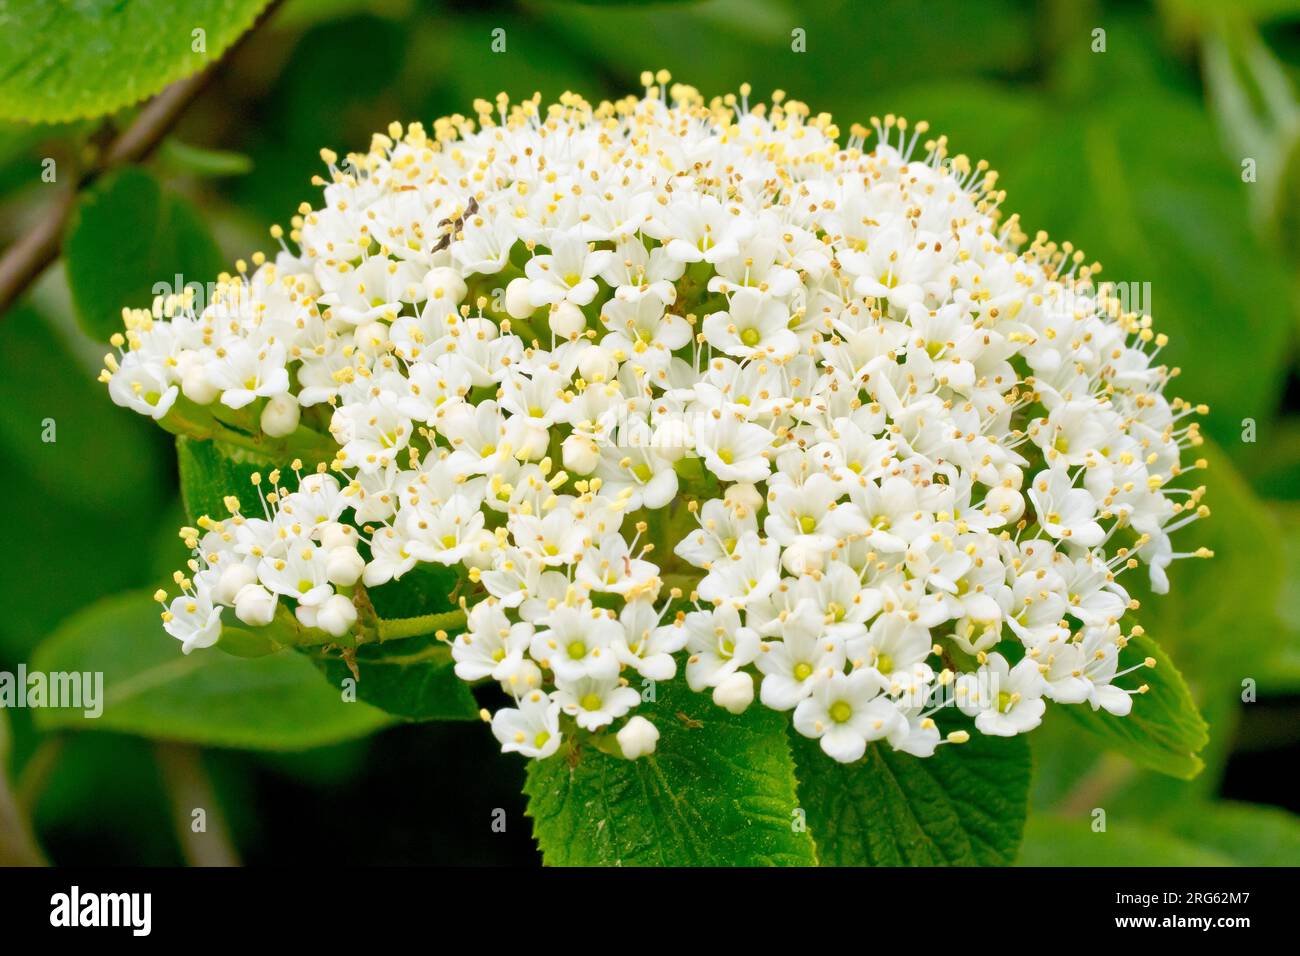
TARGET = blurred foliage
x,y
64,61
274,702
1134,154
125,233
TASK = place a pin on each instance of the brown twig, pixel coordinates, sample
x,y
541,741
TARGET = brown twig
x,y
190,790
18,846
29,257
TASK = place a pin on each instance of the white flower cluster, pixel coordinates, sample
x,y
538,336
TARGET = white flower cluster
x,y
679,381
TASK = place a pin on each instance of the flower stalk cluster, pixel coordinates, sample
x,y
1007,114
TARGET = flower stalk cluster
x,y
686,386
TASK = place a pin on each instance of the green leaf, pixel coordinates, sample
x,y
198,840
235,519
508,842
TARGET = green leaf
x,y
67,61
1251,835
202,161
425,589
1282,670
715,45
277,702
58,419
1071,841
128,239
211,471
965,806
1164,731
411,679
719,790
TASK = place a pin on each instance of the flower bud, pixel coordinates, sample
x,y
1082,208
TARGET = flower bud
x,y
371,337
637,738
280,416
579,454
336,615
672,439
344,565
482,551
445,284
566,320
518,305
800,559
517,675
231,582
595,364
335,534
743,495
528,437
735,693
196,387
306,614
1006,503
255,605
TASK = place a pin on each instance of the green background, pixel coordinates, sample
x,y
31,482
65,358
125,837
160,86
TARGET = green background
x,y
1134,153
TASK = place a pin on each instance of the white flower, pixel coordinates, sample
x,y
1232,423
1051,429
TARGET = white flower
x,y
733,449
1004,700
750,573
1065,512
245,372
810,514
143,387
578,642
642,330
532,728
721,528
893,647
755,325
594,701
567,274
719,645
301,574
193,621
491,646
845,712
648,646
789,665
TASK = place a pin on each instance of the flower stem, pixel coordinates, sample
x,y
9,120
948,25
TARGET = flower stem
x,y
197,422
397,628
